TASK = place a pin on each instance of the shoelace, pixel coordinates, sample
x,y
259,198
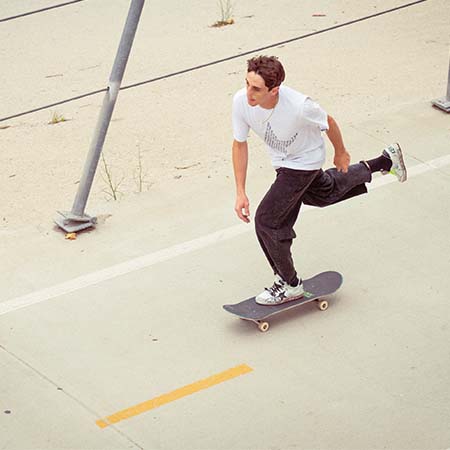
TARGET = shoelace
x,y
276,290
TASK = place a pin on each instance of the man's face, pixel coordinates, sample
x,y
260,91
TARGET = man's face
x,y
257,91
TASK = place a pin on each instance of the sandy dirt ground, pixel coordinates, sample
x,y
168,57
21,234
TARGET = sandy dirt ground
x,y
132,309
177,131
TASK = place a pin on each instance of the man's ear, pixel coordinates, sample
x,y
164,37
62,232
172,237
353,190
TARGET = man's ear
x,y
274,91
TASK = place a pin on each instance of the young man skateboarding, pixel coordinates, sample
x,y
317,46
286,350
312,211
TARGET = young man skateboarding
x,y
291,125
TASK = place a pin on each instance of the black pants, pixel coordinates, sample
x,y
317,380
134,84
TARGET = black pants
x,y
280,207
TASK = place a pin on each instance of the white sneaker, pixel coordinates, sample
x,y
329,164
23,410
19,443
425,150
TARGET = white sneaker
x,y
279,293
394,153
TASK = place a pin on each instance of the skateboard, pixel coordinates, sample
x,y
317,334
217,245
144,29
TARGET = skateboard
x,y
316,288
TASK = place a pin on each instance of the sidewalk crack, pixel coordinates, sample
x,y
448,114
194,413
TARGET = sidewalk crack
x,y
67,394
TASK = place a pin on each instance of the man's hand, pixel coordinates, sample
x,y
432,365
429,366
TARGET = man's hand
x,y
342,161
242,208
341,156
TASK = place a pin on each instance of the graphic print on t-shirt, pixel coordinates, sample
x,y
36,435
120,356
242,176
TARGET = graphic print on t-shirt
x,y
271,139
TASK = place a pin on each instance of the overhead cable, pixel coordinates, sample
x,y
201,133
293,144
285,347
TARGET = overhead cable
x,y
218,61
48,8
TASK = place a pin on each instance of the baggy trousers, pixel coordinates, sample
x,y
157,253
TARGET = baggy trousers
x,y
280,207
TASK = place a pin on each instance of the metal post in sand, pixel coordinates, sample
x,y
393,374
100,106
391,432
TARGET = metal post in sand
x,y
76,219
444,102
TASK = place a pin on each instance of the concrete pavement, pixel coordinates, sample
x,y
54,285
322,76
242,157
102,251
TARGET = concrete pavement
x,y
369,373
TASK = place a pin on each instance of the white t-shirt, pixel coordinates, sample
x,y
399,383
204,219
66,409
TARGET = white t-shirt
x,y
292,131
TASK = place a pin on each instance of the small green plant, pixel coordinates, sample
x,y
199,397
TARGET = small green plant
x,y
57,118
113,186
226,11
140,174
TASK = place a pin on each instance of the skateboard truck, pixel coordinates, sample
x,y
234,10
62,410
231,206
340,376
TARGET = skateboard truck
x,y
72,223
264,326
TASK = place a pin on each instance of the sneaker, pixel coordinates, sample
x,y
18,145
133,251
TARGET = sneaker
x,y
279,293
394,153
267,293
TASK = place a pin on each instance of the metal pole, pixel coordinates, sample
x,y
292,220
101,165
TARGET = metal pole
x,y
444,103
76,219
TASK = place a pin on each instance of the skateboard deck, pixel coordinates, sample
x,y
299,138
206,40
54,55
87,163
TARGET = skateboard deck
x,y
317,287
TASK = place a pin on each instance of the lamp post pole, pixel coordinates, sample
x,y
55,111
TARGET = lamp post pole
x,y
76,219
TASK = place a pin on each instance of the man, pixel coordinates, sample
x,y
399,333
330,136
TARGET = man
x,y
291,125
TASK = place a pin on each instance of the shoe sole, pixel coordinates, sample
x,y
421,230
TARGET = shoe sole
x,y
402,166
290,299
402,163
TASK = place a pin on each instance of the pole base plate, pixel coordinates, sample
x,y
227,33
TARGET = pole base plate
x,y
72,223
442,103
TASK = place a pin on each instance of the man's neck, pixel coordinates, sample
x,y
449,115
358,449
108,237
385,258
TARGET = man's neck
x,y
271,104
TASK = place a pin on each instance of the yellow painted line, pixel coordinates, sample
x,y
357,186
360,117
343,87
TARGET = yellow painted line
x,y
174,395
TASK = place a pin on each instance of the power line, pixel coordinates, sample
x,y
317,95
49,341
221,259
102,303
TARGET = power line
x,y
277,44
218,61
18,16
51,105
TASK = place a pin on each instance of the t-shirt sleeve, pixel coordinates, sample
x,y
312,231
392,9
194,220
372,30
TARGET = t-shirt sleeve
x,y
240,126
313,114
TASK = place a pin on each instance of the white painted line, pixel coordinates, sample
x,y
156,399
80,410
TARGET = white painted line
x,y
117,270
151,259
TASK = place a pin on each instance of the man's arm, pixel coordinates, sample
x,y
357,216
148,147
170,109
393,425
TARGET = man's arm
x,y
240,163
341,156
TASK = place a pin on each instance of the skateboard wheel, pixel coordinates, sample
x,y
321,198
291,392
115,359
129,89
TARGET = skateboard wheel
x,y
263,326
323,305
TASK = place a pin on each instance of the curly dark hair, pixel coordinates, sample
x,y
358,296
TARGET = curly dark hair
x,y
269,68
